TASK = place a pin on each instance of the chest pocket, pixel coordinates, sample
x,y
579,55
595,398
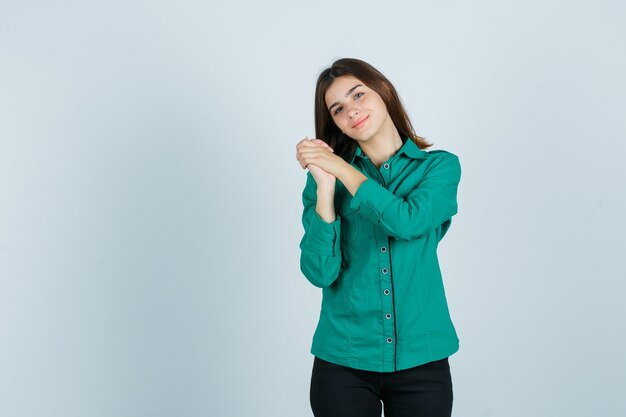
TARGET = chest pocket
x,y
349,224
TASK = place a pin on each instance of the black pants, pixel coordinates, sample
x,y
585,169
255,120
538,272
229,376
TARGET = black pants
x,y
422,391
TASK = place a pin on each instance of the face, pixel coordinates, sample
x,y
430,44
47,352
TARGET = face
x,y
357,110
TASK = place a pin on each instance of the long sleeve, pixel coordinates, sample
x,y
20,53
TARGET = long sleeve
x,y
431,204
320,249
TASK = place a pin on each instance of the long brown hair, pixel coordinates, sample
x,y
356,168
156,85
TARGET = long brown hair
x,y
325,127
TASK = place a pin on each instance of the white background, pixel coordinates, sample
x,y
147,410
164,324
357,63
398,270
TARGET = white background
x,y
150,199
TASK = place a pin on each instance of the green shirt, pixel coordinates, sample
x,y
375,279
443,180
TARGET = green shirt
x,y
383,306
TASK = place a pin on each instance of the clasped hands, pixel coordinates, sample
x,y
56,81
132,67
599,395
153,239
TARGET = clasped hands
x,y
319,153
326,166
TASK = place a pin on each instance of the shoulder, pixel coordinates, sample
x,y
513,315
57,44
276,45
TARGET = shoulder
x,y
441,154
444,163
443,157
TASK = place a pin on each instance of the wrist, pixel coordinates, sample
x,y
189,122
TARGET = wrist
x,y
352,178
326,187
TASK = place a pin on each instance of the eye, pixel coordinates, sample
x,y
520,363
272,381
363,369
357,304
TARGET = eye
x,y
358,95
337,110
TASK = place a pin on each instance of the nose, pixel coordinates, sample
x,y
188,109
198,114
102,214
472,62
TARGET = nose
x,y
353,112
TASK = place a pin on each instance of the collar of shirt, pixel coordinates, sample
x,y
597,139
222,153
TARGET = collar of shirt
x,y
409,148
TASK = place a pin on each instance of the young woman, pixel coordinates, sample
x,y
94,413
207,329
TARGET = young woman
x,y
376,205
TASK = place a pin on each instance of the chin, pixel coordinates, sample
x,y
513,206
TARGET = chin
x,y
364,137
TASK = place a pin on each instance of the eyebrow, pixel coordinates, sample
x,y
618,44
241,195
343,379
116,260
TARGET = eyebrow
x,y
347,94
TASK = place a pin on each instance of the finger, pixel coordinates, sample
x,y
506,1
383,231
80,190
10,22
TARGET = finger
x,y
303,161
308,144
303,142
300,161
310,148
309,156
326,145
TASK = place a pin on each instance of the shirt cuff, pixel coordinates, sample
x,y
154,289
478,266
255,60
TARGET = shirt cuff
x,y
322,238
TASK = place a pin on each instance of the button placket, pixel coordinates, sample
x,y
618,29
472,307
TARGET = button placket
x,y
384,272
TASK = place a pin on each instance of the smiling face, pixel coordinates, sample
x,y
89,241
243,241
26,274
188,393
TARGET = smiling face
x,y
357,110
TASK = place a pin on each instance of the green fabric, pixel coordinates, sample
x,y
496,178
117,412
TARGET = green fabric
x,y
383,306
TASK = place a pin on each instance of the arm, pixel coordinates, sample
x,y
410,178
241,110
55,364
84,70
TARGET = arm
x,y
320,255
432,203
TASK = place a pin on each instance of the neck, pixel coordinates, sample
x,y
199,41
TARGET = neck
x,y
382,146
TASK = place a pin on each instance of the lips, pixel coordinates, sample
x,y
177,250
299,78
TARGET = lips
x,y
360,122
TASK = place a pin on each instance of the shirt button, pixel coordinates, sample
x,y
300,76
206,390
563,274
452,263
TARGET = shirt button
x,y
386,292
389,340
384,270
386,166
387,316
383,249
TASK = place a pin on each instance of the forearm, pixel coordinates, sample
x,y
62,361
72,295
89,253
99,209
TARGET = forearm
x,y
351,178
320,259
325,205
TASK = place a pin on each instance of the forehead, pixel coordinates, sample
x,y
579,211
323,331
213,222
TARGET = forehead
x,y
340,86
